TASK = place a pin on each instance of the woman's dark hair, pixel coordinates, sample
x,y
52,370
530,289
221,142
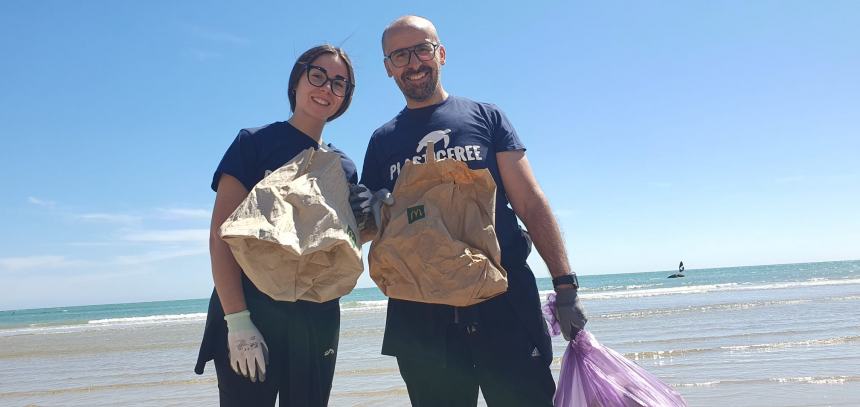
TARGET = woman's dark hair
x,y
308,57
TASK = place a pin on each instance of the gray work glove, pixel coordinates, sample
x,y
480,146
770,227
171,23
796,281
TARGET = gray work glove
x,y
359,201
569,312
380,197
365,204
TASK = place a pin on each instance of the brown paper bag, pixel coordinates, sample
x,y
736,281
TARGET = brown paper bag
x,y
437,243
295,235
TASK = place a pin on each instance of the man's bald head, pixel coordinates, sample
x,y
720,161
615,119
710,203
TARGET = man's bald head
x,y
418,78
410,22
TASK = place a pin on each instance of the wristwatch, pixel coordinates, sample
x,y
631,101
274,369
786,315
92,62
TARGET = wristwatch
x,y
566,279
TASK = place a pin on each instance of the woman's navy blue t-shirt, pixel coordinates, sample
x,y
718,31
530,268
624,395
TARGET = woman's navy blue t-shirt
x,y
257,152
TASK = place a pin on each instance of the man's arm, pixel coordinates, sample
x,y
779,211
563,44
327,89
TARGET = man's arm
x,y
531,205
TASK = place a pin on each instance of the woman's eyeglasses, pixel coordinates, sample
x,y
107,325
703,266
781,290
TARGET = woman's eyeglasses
x,y
318,77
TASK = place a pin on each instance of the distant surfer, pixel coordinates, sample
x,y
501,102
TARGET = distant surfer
x,y
680,272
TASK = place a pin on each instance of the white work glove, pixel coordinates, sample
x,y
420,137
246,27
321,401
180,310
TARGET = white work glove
x,y
247,350
569,312
380,197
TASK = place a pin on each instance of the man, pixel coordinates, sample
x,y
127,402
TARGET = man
x,y
501,345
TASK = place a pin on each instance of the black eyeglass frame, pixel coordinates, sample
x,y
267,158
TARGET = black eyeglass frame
x,y
328,79
412,50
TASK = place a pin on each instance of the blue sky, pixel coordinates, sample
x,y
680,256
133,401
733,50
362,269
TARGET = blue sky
x,y
719,133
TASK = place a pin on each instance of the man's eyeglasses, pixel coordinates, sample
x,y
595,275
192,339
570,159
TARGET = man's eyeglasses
x,y
401,57
318,77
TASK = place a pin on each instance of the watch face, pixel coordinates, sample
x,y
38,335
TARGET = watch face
x,y
568,279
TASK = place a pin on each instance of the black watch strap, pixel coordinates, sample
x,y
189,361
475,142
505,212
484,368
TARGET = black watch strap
x,y
565,279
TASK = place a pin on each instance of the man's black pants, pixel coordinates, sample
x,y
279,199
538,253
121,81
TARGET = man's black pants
x,y
507,367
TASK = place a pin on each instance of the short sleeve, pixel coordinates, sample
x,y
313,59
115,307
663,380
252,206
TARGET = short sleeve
x,y
348,165
370,169
505,138
239,161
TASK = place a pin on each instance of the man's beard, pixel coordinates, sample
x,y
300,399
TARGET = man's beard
x,y
419,92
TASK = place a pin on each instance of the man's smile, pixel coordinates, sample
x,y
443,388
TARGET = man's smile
x,y
417,76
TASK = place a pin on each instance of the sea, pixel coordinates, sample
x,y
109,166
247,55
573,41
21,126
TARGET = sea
x,y
774,335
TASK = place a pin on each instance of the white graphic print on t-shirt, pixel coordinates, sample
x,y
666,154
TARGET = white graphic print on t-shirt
x,y
461,153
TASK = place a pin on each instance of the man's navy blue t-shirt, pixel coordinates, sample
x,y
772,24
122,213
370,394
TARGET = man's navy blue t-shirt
x,y
257,152
462,129
471,132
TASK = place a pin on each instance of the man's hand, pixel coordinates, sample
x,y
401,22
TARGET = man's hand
x,y
365,203
380,197
248,352
569,312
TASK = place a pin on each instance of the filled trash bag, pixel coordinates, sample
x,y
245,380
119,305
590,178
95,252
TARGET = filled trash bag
x,y
593,375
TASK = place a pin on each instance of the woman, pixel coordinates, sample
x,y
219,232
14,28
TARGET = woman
x,y
269,347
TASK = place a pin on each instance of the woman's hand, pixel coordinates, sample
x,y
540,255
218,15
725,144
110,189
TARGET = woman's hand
x,y
246,347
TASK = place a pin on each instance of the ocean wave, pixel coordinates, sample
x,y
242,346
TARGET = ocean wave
x,y
120,322
618,287
663,354
700,309
152,319
106,323
766,347
706,288
819,380
359,306
105,387
762,347
746,335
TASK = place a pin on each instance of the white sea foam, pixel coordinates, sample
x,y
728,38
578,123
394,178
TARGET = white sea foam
x,y
363,306
168,319
762,347
817,379
767,347
619,287
820,380
153,319
107,323
700,309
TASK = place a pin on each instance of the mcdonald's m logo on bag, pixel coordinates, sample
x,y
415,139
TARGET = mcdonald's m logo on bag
x,y
415,213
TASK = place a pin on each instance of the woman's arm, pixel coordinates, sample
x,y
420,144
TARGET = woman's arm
x,y
225,271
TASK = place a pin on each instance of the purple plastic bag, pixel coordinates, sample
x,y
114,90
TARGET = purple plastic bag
x,y
593,375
